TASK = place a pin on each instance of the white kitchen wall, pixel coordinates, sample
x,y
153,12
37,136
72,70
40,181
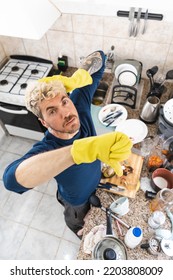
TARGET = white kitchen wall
x,y
78,35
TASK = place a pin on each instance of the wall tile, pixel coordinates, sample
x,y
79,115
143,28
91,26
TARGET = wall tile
x,y
124,48
86,44
152,54
116,27
61,42
63,23
169,59
37,48
12,45
77,35
87,24
2,53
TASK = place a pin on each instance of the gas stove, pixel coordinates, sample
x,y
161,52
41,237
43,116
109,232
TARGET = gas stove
x,y
15,75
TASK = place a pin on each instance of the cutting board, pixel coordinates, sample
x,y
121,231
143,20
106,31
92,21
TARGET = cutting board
x,y
131,180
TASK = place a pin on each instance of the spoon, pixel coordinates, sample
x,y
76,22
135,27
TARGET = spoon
x,y
95,201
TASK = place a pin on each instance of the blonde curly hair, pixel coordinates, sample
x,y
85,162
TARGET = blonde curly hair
x,y
38,91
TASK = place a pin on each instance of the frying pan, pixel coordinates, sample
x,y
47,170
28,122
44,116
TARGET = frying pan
x,y
109,247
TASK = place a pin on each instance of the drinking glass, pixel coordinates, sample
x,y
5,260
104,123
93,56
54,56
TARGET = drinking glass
x,y
162,201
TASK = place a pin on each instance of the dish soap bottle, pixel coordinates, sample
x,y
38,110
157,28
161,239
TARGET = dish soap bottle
x,y
62,63
133,237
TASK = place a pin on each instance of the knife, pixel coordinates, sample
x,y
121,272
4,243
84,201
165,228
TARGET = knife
x,y
131,18
145,22
136,29
112,115
114,118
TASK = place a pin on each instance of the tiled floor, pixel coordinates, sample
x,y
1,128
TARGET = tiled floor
x,y
32,224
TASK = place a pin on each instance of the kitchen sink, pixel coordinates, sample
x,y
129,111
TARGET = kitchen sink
x,y
100,94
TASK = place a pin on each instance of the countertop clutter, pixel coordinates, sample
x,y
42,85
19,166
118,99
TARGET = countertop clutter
x,y
139,210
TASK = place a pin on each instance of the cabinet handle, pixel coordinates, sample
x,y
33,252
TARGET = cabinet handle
x,y
19,112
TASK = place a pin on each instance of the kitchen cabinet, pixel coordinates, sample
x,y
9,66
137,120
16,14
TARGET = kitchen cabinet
x,y
110,7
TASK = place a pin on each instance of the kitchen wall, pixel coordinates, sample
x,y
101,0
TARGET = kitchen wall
x,y
78,35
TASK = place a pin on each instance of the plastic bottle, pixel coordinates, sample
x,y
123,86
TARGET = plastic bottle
x,y
133,237
62,62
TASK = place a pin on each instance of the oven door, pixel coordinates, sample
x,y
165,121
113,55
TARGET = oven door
x,y
20,122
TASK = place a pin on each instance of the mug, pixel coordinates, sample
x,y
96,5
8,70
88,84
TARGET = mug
x,y
120,206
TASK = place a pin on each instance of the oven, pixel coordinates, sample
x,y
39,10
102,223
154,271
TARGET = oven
x,y
15,75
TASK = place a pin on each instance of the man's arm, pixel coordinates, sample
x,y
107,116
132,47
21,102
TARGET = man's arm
x,y
43,167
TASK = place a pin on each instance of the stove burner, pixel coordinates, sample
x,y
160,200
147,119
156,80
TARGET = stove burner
x,y
15,68
3,82
34,71
24,85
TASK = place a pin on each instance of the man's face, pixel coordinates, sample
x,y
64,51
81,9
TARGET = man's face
x,y
60,115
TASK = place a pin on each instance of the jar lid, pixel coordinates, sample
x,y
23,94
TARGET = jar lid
x,y
137,231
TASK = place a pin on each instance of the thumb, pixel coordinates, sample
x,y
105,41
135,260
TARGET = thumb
x,y
117,167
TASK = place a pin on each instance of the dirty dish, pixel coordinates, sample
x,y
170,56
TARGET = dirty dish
x,y
161,178
108,112
135,129
126,74
120,206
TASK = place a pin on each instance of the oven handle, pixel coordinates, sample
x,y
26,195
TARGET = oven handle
x,y
19,112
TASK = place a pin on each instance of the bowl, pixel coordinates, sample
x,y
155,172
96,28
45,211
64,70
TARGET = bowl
x,y
161,178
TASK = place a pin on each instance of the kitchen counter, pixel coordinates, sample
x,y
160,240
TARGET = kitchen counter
x,y
139,206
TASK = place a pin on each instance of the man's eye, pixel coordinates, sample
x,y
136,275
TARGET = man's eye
x,y
51,112
65,101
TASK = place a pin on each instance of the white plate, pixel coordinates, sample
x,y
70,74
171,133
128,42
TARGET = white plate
x,y
125,67
135,129
127,78
168,111
111,108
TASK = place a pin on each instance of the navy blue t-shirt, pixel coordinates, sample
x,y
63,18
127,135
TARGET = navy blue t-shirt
x,y
76,183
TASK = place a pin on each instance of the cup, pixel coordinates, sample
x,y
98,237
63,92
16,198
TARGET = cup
x,y
120,206
162,201
156,219
146,146
161,178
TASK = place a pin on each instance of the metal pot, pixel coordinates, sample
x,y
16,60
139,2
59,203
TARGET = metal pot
x,y
110,247
150,110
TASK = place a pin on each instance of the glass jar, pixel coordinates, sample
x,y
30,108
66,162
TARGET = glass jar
x,y
163,200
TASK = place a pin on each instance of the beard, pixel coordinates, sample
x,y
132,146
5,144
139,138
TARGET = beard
x,y
66,128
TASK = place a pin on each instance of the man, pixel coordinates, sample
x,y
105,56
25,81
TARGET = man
x,y
70,152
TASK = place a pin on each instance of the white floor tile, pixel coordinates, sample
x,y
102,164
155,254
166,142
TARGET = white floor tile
x,y
71,236
21,207
17,145
67,251
47,237
51,188
11,236
49,216
41,188
4,195
6,159
38,246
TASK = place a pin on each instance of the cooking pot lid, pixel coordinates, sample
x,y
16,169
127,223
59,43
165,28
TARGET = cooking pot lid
x,y
110,248
168,111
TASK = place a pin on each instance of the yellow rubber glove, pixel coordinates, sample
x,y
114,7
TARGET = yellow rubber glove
x,y
110,148
79,79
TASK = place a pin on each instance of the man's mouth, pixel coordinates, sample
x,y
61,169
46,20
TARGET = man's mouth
x,y
70,120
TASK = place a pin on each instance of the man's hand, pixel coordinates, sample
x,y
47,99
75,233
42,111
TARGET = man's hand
x,y
110,148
